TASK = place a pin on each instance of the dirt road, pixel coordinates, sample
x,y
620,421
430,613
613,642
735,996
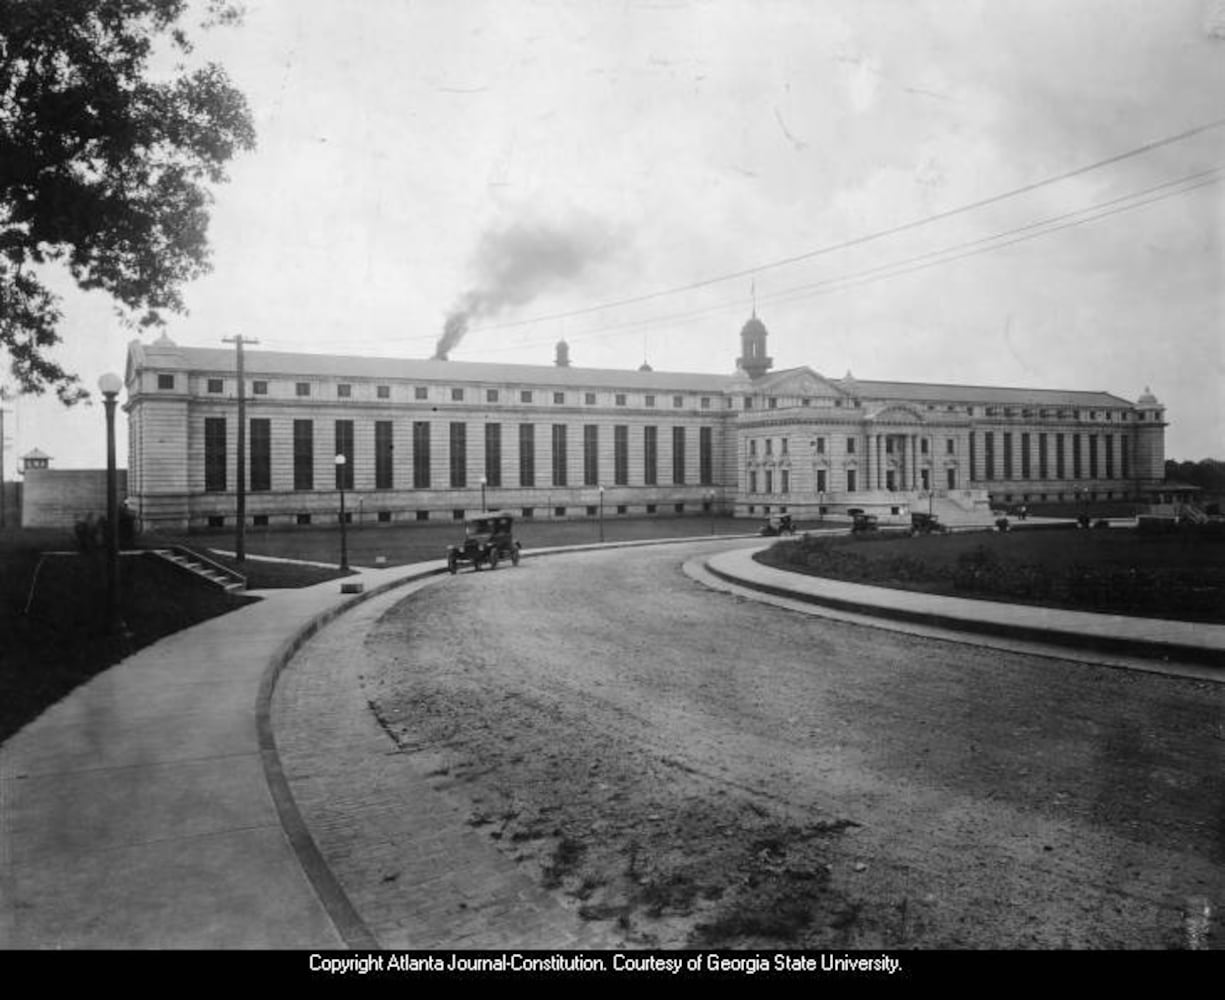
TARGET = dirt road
x,y
693,769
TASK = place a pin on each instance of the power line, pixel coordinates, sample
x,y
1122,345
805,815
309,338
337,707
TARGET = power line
x,y
882,272
866,238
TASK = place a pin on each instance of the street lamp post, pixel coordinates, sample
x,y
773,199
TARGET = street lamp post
x,y
601,515
110,385
344,538
484,483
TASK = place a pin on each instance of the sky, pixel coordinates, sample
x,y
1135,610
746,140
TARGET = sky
x,y
634,177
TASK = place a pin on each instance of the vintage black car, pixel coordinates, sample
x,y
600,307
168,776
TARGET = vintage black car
x,y
488,539
927,524
780,525
861,522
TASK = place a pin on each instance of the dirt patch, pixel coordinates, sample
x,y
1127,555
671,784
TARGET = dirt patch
x,y
693,770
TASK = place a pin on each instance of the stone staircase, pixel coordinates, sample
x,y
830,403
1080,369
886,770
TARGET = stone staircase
x,y
203,567
954,514
1192,514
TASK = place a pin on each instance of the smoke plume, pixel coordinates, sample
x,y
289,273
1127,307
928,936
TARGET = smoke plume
x,y
515,264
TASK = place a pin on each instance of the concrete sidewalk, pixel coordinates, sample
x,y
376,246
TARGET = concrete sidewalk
x,y
148,809
1156,638
137,812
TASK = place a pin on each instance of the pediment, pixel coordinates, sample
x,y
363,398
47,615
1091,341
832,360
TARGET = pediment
x,y
896,414
799,382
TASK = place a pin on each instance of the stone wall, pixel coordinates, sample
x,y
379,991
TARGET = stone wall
x,y
58,498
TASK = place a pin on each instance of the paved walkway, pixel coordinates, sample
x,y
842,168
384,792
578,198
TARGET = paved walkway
x,y
152,807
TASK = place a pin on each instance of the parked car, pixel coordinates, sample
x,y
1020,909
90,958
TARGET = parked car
x,y
487,540
861,522
780,525
927,524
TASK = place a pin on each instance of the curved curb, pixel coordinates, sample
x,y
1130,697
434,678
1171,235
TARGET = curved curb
x,y
331,893
1146,648
332,896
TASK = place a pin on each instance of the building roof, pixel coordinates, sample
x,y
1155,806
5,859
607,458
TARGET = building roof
x,y
925,392
286,364
218,360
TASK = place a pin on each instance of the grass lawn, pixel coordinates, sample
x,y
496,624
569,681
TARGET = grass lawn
x,y
403,544
1117,570
54,633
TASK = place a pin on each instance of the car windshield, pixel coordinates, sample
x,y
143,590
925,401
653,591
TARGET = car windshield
x,y
489,525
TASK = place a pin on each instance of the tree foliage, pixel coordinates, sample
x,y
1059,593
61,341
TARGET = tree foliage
x,y
105,166
1208,473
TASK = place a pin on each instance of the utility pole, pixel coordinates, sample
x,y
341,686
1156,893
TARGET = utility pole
x,y
240,527
3,520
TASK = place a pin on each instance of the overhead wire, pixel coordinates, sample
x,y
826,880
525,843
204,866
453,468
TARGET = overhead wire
x,y
931,258
865,238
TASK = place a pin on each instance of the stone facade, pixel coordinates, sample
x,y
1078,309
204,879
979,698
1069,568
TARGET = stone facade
x,y
59,498
435,439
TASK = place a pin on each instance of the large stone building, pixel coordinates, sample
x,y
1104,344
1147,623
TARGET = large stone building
x,y
437,439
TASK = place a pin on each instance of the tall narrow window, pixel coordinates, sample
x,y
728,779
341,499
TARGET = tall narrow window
x,y
261,455
678,455
1043,465
1007,455
1109,439
1060,468
621,455
1024,456
344,446
303,455
421,455
820,480
493,454
989,455
1076,456
650,455
559,454
1092,456
527,454
973,468
1125,457
382,455
851,481
591,455
459,455
214,454
706,456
